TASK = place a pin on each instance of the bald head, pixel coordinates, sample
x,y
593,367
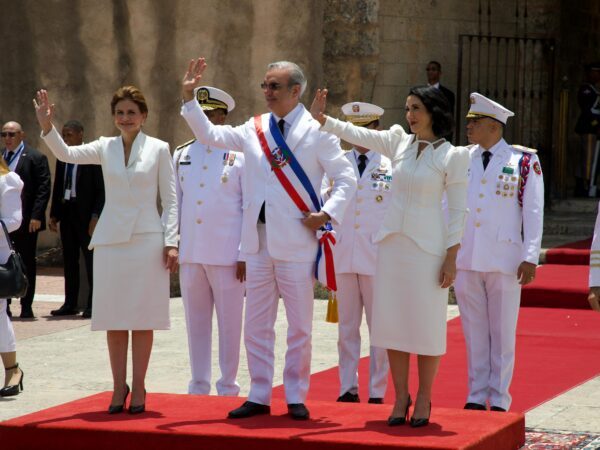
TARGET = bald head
x,y
12,135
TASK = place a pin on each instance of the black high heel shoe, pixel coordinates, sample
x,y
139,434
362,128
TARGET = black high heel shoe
x,y
115,409
420,422
13,389
395,421
138,409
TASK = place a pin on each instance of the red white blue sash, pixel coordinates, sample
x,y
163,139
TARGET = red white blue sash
x,y
290,174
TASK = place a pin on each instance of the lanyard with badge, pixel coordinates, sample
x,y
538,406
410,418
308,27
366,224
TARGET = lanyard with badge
x,y
14,155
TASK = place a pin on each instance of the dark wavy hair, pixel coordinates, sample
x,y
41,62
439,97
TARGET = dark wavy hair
x,y
436,103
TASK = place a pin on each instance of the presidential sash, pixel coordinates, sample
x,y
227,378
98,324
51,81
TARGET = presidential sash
x,y
287,168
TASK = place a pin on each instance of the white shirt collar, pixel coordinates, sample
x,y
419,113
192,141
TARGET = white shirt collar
x,y
494,148
370,154
291,117
436,85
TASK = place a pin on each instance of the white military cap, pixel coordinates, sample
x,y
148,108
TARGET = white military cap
x,y
484,107
212,98
360,113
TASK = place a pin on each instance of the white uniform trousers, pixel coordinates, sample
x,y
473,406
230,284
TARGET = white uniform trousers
x,y
204,287
489,308
266,278
355,292
7,333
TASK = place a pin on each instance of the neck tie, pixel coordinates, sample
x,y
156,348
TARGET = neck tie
x,y
362,164
69,176
281,125
486,158
8,156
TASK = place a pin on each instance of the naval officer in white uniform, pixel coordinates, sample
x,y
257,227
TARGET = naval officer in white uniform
x,y
212,273
279,241
499,251
355,257
594,295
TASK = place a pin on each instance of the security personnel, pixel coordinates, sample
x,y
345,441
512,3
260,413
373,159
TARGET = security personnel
x,y
499,251
212,274
355,255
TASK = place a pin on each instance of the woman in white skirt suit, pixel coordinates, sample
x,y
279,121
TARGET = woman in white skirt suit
x,y
134,249
416,262
10,213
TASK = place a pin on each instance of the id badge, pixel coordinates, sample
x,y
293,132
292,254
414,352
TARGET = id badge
x,y
67,194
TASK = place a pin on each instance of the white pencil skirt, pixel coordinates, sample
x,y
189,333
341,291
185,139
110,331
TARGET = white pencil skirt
x,y
131,285
409,307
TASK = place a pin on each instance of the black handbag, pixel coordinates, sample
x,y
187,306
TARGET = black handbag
x,y
13,281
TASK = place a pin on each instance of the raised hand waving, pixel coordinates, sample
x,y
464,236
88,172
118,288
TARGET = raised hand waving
x,y
192,78
317,108
44,110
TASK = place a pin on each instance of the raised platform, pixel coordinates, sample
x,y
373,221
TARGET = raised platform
x,y
199,422
558,286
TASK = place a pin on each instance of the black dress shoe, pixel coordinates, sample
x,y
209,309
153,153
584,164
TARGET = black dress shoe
x,y
376,400
64,311
14,389
249,409
400,420
497,408
348,397
26,313
116,409
138,409
298,411
475,406
87,314
421,421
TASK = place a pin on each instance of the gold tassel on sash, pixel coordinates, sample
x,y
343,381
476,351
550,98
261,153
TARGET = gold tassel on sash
x,y
332,308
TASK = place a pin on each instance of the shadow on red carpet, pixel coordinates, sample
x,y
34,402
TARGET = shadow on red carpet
x,y
573,253
558,286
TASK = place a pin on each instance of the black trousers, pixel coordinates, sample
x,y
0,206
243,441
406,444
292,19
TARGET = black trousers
x,y
26,244
75,237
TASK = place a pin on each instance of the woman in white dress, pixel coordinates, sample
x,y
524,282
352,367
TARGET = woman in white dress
x,y
134,249
10,213
416,261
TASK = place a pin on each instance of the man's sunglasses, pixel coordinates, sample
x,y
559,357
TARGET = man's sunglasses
x,y
8,134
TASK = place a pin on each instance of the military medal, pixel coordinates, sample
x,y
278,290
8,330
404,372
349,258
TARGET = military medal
x,y
225,156
536,168
379,198
224,178
508,170
231,158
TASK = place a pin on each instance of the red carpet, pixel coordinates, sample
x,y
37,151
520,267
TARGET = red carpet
x,y
182,422
557,350
558,286
577,253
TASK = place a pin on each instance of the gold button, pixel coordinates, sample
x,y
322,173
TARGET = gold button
x,y
477,224
478,209
359,200
205,167
360,186
201,184
357,226
358,213
208,150
480,195
198,221
483,181
199,202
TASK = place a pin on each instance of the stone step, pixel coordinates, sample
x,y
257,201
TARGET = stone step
x,y
575,205
556,240
569,224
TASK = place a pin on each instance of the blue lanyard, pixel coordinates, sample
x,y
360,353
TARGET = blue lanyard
x,y
14,155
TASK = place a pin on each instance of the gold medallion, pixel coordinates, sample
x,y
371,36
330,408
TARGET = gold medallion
x,y
224,179
379,198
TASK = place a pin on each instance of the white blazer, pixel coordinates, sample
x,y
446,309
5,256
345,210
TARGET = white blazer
x,y
10,208
595,254
355,250
132,191
500,234
209,195
318,153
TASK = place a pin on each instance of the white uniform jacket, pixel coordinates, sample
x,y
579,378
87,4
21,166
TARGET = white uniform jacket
x,y
10,208
209,195
318,153
499,233
131,193
417,214
355,250
595,254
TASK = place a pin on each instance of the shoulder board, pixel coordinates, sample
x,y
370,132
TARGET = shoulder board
x,y
185,145
520,148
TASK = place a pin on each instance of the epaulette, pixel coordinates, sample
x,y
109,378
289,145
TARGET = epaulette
x,y
185,145
520,148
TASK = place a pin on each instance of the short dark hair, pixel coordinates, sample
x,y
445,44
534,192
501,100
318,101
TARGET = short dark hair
x,y
129,93
75,125
435,63
437,105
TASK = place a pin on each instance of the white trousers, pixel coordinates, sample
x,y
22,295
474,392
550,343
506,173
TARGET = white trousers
x,y
355,293
489,308
204,287
7,334
266,278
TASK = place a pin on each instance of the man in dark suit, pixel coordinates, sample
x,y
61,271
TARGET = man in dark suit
x,y
32,167
434,72
77,201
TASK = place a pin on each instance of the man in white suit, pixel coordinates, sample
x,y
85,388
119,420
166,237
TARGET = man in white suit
x,y
211,273
499,251
278,240
355,258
